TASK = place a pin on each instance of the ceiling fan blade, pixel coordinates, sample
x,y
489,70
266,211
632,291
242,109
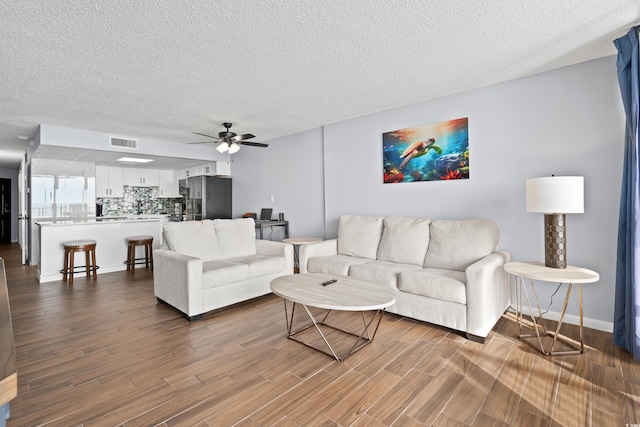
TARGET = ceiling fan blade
x,y
242,137
208,136
204,142
253,144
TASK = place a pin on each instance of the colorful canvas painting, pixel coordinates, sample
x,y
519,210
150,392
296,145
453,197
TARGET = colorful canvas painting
x,y
435,152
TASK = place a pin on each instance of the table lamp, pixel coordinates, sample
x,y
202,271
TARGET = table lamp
x,y
555,196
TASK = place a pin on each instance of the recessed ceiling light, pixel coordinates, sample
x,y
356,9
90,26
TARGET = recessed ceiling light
x,y
134,160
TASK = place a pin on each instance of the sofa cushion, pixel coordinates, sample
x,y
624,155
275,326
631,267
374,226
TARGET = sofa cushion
x,y
237,237
445,285
261,265
381,272
193,238
333,264
359,236
456,244
223,272
404,240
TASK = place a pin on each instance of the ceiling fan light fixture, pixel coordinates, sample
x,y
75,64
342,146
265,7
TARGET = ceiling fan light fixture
x,y
233,148
222,147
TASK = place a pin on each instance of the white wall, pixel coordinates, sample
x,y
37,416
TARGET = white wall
x,y
565,122
290,170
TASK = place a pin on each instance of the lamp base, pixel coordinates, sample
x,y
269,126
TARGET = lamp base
x,y
555,241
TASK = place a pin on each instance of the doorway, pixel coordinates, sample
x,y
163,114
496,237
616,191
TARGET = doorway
x,y
5,211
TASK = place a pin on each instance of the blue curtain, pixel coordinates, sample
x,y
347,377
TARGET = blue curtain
x,y
626,322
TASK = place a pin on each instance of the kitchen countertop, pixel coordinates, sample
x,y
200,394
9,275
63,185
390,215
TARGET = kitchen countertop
x,y
104,220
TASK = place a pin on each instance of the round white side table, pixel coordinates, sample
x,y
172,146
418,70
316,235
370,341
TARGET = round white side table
x,y
297,242
538,271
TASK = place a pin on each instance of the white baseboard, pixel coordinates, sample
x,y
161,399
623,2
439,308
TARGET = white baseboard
x,y
573,319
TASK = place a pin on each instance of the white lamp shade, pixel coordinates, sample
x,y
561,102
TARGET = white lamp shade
x,y
233,148
555,194
222,147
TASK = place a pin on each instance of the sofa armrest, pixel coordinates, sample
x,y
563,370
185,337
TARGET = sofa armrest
x,y
488,292
177,280
271,248
324,248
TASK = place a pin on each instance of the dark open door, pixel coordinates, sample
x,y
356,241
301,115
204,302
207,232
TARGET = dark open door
x,y
5,210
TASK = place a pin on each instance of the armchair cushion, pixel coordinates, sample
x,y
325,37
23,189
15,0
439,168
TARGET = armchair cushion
x,y
178,237
260,265
222,272
237,237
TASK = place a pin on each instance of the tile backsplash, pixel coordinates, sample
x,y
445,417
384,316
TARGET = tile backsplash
x,y
146,197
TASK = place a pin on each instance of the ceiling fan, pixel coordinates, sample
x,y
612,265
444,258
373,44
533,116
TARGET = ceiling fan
x,y
230,141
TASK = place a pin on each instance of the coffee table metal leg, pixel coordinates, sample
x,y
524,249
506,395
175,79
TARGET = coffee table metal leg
x,y
364,341
320,332
361,340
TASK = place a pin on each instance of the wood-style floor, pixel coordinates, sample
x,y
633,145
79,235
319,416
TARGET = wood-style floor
x,y
104,353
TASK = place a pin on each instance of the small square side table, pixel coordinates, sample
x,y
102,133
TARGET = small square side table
x,y
538,271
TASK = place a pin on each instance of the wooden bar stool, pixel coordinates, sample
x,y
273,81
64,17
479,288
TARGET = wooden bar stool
x,y
70,248
132,242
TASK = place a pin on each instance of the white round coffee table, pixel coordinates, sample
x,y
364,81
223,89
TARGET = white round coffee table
x,y
345,294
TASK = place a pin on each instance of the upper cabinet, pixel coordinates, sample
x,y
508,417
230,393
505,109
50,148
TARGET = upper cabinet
x,y
138,177
109,181
168,185
223,168
212,169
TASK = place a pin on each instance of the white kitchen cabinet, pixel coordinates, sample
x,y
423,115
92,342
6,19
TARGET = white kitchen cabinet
x,y
139,177
209,169
109,181
196,171
223,169
168,184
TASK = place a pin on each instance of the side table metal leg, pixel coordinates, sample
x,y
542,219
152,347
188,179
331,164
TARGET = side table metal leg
x,y
581,323
518,284
536,327
564,309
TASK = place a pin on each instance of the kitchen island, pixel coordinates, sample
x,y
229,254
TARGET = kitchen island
x,y
108,232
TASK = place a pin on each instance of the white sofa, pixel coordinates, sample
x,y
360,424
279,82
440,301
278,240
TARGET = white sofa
x,y
447,272
209,264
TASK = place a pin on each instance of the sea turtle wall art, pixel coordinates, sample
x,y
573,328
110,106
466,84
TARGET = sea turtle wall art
x,y
434,152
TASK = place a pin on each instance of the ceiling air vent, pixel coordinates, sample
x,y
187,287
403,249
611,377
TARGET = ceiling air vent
x,y
123,143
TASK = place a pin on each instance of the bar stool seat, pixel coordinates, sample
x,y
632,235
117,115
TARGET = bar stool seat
x,y
87,246
132,243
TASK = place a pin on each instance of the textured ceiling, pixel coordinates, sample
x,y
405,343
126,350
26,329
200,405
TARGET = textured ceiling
x,y
163,69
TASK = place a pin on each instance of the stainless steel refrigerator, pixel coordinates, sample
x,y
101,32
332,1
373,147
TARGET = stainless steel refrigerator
x,y
207,197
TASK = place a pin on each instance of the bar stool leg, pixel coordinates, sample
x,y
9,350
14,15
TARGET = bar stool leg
x,y
72,264
66,265
150,256
93,263
87,261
